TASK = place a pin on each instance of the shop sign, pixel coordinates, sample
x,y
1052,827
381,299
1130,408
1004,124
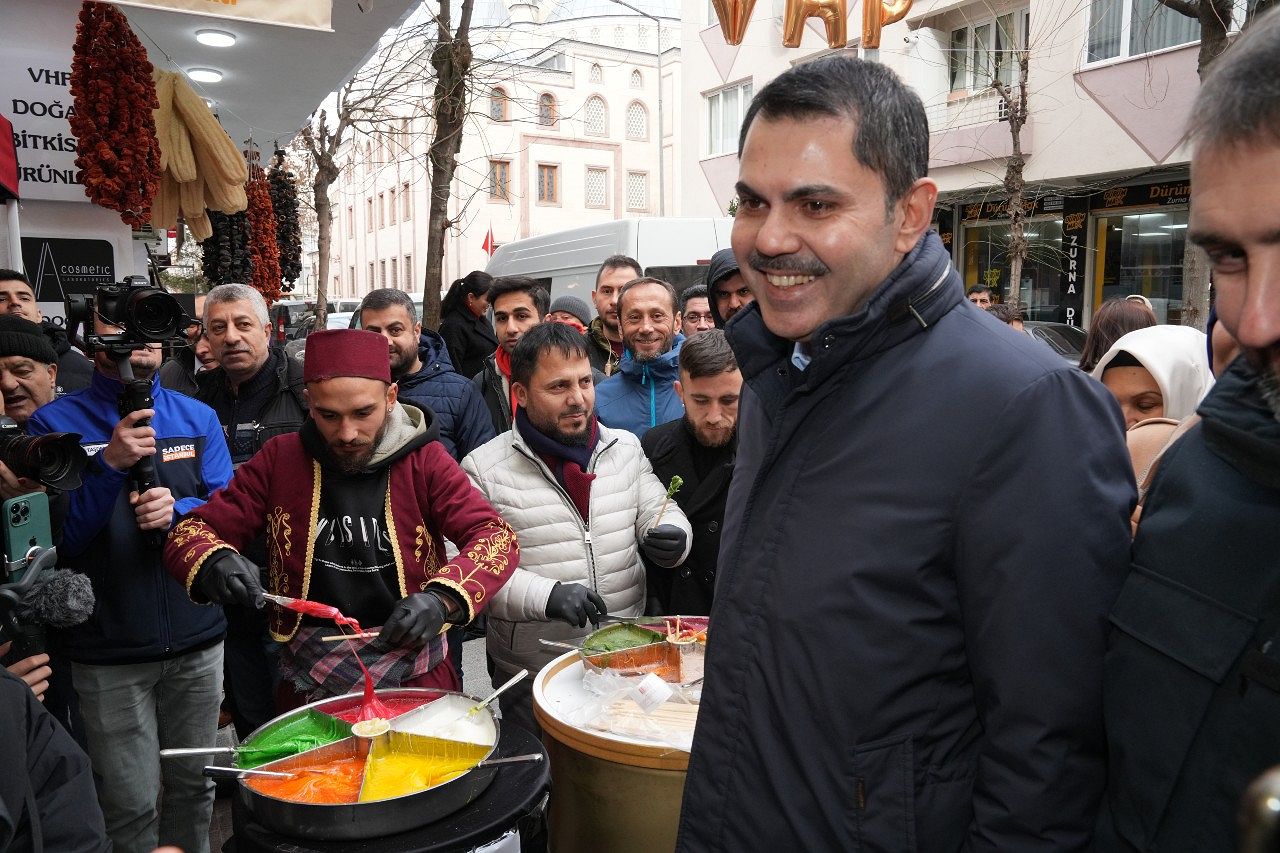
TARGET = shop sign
x,y
1147,195
1000,209
1075,239
303,14
37,100
61,267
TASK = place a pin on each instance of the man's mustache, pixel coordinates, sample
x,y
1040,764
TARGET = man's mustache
x,y
794,264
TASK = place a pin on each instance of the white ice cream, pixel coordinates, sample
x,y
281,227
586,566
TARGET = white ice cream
x,y
447,718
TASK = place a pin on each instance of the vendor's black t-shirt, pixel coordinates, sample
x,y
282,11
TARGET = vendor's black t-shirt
x,y
353,567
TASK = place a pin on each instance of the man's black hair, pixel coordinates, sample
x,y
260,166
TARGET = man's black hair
x,y
695,292
14,275
707,354
387,297
544,338
521,284
1239,102
1005,313
977,288
891,134
618,262
639,282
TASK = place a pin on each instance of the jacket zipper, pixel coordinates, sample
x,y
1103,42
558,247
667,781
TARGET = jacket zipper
x,y
586,526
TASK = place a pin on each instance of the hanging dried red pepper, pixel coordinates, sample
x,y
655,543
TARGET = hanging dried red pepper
x,y
262,237
114,95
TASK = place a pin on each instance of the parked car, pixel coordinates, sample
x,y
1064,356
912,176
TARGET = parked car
x,y
343,310
287,315
1067,341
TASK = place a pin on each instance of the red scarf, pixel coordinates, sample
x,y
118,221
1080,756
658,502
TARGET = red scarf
x,y
502,359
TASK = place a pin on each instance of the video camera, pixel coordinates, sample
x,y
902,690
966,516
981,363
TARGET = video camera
x,y
145,314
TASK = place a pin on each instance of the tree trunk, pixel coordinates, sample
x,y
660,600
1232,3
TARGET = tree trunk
x,y
451,59
1014,183
1195,287
324,237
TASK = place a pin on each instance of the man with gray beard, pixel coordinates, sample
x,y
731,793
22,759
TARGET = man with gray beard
x,y
1192,679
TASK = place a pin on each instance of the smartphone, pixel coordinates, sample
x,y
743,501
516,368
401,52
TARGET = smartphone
x,y
26,525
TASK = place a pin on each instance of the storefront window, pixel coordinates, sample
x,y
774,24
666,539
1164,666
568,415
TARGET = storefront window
x,y
986,261
1141,253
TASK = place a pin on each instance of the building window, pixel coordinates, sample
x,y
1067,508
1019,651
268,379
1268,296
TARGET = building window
x,y
1133,27
642,40
351,277
547,109
596,75
986,50
351,221
637,190
407,200
382,211
637,121
498,104
391,206
619,36
597,187
665,41
986,261
368,214
408,272
548,184
500,180
1141,253
595,116
725,110
395,273
637,81
370,275
382,273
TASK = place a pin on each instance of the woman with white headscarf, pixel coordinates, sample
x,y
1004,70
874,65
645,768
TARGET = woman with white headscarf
x,y
1158,375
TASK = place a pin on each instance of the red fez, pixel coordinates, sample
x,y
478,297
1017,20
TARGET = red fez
x,y
346,352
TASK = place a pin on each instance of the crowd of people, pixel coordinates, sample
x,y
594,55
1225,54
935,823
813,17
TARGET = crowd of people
x,y
917,642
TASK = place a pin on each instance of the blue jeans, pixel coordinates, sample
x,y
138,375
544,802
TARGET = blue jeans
x,y
131,712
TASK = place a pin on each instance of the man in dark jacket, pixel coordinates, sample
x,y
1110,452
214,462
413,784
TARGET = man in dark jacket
x,y
519,303
729,294
604,334
1192,683
699,449
18,297
147,665
908,631
420,365
257,393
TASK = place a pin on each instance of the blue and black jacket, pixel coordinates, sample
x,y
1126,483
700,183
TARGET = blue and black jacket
x,y
141,613
640,395
459,409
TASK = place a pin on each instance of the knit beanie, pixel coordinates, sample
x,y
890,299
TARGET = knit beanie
x,y
573,305
19,336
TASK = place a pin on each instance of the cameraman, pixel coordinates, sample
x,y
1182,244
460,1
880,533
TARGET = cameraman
x,y
148,665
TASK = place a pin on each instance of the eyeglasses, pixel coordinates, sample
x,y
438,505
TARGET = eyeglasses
x,y
695,317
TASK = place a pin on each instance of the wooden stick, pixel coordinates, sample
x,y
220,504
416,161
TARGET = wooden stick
x,y
340,637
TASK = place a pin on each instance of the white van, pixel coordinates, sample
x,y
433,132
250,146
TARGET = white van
x,y
566,262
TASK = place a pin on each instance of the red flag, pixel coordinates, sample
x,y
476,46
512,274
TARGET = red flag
x,y
8,162
488,244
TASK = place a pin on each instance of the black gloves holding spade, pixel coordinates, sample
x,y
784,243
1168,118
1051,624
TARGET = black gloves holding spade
x,y
575,604
229,578
415,620
664,545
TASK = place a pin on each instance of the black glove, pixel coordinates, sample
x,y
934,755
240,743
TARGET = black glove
x,y
664,545
414,621
230,578
575,604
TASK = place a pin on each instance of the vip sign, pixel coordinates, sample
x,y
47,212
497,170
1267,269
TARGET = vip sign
x,y
834,14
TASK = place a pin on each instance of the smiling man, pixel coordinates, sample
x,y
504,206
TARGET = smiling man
x,y
604,334
1192,682
641,394
585,504
909,632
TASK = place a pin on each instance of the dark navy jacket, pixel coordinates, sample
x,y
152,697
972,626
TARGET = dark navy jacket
x,y
142,614
459,409
924,534
640,395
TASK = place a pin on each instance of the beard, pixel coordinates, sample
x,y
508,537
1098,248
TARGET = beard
x,y
710,438
643,358
1268,384
550,427
355,463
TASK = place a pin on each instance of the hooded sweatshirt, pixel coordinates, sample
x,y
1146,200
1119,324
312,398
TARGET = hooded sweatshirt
x,y
75,372
640,395
1175,357
353,563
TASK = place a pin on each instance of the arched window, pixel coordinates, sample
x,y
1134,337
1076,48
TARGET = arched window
x,y
665,41
595,35
596,75
498,104
547,109
643,40
619,36
637,81
595,116
637,121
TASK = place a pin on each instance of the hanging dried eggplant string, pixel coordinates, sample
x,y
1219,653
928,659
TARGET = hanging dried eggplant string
x,y
284,202
262,237
225,255
113,97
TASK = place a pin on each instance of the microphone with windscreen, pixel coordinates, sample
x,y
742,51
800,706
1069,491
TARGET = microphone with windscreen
x,y
44,597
